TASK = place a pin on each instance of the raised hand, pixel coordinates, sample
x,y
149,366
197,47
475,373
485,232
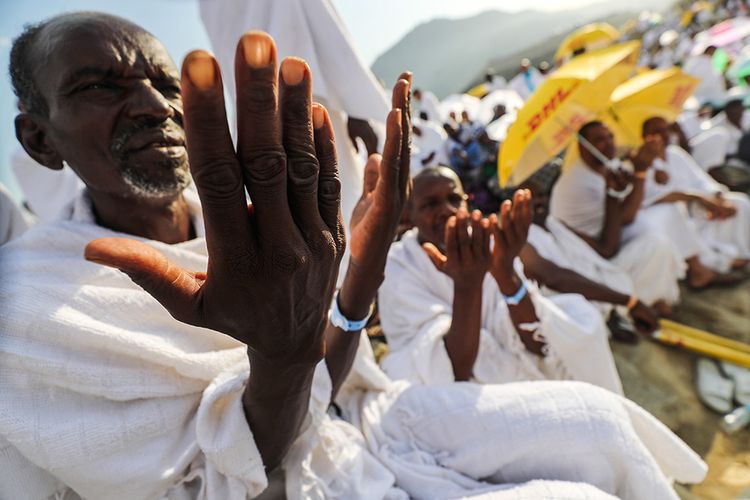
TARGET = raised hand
x,y
376,216
467,254
374,224
511,233
652,148
271,270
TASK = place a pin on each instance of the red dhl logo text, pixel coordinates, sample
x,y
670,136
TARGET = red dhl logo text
x,y
549,107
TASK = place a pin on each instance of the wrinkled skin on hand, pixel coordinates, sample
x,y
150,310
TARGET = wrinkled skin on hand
x,y
467,253
272,269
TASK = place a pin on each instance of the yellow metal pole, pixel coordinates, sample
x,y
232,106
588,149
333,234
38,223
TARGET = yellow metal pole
x,y
688,331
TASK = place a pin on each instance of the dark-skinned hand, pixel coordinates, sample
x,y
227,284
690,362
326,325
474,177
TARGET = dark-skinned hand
x,y
287,251
646,319
618,179
652,148
376,215
358,128
510,233
467,254
272,269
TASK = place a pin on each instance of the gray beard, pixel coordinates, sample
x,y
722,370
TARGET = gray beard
x,y
149,187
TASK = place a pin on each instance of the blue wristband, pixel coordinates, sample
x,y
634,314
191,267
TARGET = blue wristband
x,y
338,320
516,298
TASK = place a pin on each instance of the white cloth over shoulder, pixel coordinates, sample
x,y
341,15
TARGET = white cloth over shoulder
x,y
651,260
103,392
416,302
720,240
46,191
14,220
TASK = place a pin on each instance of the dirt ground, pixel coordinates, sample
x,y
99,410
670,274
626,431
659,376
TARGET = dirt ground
x,y
662,380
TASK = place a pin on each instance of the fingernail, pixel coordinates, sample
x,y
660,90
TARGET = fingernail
x,y
318,115
201,70
293,70
256,46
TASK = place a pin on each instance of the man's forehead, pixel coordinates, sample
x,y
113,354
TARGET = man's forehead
x,y
426,184
77,49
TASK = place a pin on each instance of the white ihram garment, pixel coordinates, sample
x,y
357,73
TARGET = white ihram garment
x,y
416,311
14,220
106,396
652,261
103,391
581,258
455,440
725,239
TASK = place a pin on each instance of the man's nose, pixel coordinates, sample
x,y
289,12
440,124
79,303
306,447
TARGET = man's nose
x,y
147,101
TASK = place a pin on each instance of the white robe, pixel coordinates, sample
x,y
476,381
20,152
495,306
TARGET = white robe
x,y
129,403
526,83
416,302
456,440
430,104
581,258
721,241
712,87
14,220
46,191
431,141
652,261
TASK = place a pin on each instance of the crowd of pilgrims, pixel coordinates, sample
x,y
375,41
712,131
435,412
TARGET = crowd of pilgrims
x,y
497,305
466,132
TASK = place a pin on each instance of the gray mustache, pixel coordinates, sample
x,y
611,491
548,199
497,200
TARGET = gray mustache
x,y
121,139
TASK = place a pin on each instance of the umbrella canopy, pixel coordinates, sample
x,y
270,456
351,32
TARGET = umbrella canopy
x,y
572,96
478,91
722,34
590,37
659,92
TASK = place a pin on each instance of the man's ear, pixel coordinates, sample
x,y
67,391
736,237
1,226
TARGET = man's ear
x,y
33,137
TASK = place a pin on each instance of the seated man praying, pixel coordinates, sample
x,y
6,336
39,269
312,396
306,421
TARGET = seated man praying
x,y
717,220
453,307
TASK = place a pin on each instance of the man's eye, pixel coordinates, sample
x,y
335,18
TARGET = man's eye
x,y
170,90
96,86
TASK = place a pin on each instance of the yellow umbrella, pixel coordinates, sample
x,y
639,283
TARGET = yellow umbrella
x,y
478,91
590,37
572,96
659,92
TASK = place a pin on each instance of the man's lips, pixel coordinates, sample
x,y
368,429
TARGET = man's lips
x,y
157,139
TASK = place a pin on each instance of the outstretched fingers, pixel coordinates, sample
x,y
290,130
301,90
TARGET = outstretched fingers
x,y
297,136
391,163
259,139
213,163
329,181
401,99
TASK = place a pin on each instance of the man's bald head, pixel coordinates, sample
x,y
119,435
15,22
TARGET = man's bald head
x,y
35,45
436,195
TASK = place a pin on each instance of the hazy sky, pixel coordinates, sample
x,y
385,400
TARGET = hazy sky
x,y
374,26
